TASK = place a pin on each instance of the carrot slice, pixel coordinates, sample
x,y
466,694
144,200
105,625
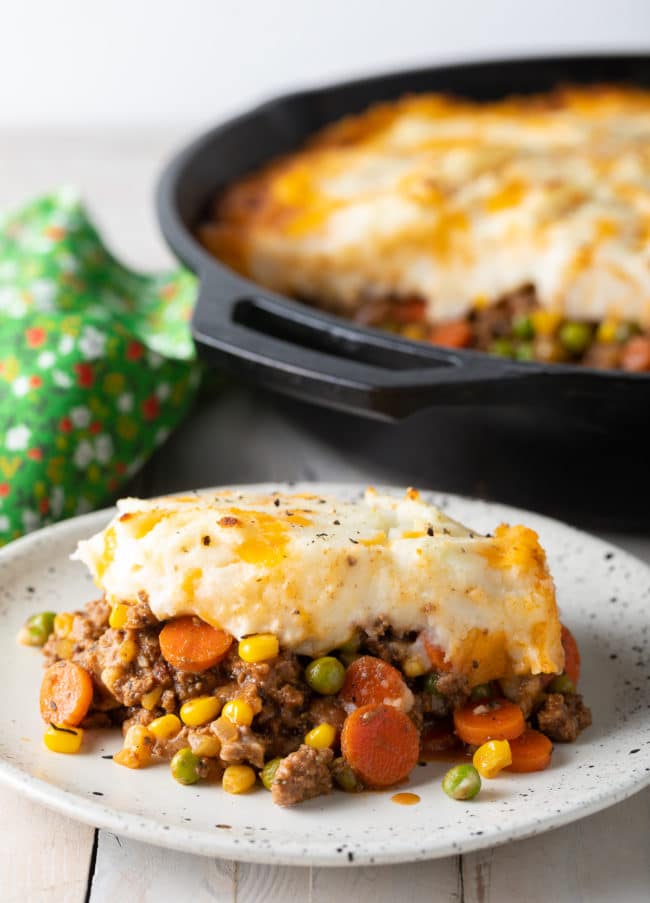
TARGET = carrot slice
x,y
530,752
66,693
571,655
636,355
457,334
381,744
498,719
436,656
371,681
190,644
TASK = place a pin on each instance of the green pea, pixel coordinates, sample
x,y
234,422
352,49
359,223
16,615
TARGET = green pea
x,y
344,776
325,675
575,337
37,629
562,684
185,766
431,684
481,691
267,774
522,327
502,348
462,782
525,351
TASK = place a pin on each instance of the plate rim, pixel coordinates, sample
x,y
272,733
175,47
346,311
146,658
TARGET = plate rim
x,y
187,839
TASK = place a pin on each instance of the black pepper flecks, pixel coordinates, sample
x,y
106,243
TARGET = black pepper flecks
x,y
206,540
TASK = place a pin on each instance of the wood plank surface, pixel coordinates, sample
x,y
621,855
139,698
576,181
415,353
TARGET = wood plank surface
x,y
600,859
44,857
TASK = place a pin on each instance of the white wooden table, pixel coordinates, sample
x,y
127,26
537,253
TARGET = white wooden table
x,y
45,857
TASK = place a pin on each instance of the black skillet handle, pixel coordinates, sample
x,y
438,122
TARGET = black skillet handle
x,y
294,349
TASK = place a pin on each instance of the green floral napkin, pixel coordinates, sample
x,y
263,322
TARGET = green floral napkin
x,y
96,365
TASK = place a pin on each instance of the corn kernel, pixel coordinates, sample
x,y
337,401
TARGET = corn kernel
x,y
204,745
165,727
196,712
65,648
321,737
127,651
414,666
258,648
63,739
118,616
151,699
608,330
138,744
63,624
238,778
490,758
414,331
239,712
545,322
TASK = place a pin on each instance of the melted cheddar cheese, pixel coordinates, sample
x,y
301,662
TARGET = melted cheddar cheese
x,y
310,570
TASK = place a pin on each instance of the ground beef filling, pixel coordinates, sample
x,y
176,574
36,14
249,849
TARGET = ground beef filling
x,y
134,684
516,326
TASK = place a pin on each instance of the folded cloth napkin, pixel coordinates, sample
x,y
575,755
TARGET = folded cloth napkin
x,y
96,364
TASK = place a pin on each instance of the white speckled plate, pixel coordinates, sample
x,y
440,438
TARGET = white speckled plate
x,y
604,595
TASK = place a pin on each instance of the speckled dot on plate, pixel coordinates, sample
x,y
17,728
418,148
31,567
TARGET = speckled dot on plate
x,y
603,595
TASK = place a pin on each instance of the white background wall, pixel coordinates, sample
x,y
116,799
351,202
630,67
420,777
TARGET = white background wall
x,y
155,62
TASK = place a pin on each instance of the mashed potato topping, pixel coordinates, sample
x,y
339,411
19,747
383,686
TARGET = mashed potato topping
x,y
458,203
311,569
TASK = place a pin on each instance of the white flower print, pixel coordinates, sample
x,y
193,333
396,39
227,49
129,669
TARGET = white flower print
x,y
12,303
125,402
154,359
134,466
20,386
92,343
44,293
103,448
4,523
31,519
83,454
66,344
62,379
45,359
163,391
57,497
83,506
161,435
8,269
17,438
80,416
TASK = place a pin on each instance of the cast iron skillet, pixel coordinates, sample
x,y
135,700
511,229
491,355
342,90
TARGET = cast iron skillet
x,y
291,347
